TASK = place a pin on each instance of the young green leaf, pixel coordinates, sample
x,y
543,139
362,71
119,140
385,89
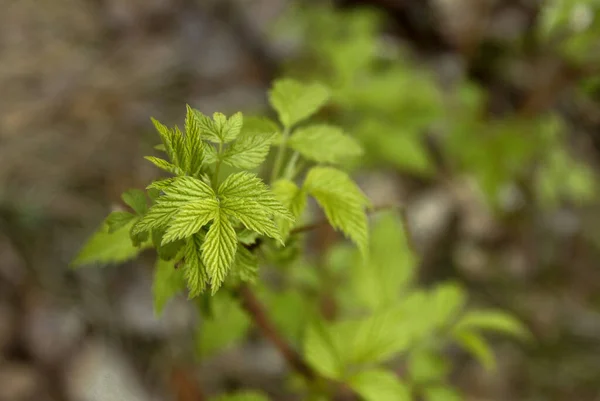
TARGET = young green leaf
x,y
492,320
324,144
194,270
295,101
220,129
293,198
193,148
166,251
163,164
190,219
247,237
117,220
166,135
475,344
343,202
380,385
218,249
108,248
427,366
136,199
242,396
320,351
248,151
157,217
168,281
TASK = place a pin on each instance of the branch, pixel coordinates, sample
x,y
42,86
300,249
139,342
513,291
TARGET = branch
x,y
258,314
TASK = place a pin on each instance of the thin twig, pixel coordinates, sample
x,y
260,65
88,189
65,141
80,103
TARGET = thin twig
x,y
258,314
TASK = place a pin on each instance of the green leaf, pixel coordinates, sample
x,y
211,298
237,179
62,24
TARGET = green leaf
x,y
343,202
160,185
163,164
193,147
249,150
190,219
293,198
295,101
492,320
166,251
245,265
442,393
117,220
380,385
218,249
242,396
378,282
246,198
477,346
229,327
220,129
320,351
157,217
194,270
172,140
446,303
136,199
425,366
168,281
324,144
247,237
107,248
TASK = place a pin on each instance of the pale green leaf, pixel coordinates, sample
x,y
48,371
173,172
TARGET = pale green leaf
x,y
442,393
158,216
477,346
117,220
194,271
218,249
229,326
295,101
190,219
252,215
242,396
187,189
220,128
136,199
107,248
193,147
161,184
247,237
380,385
293,198
248,151
163,164
320,351
324,144
343,202
492,320
446,303
166,135
168,281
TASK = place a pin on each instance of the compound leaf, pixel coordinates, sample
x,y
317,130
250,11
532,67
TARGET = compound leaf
x,y
249,150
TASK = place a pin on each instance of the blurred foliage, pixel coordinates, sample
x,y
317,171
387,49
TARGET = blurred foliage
x,y
395,109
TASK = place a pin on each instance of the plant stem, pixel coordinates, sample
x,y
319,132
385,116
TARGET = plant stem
x,y
289,169
280,155
258,314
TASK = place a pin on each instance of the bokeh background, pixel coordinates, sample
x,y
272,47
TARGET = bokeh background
x,y
79,80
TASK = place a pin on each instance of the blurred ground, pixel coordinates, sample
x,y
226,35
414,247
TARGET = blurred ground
x,y
79,81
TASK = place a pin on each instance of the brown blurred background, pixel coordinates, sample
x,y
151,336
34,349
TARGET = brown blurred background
x,y
78,82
